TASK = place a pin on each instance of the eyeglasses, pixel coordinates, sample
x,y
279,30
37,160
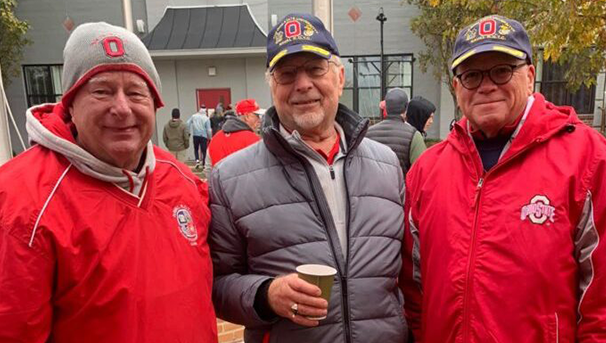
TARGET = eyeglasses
x,y
499,75
314,69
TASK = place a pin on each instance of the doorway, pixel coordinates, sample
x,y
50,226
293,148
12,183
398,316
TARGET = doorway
x,y
210,97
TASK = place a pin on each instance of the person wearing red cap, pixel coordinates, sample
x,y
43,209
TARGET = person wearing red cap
x,y
103,234
237,132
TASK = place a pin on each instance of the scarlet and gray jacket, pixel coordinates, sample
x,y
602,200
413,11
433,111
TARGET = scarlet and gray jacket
x,y
515,254
235,135
270,215
92,253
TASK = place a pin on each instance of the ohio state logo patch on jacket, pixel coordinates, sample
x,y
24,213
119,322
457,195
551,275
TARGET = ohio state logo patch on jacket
x,y
186,224
538,210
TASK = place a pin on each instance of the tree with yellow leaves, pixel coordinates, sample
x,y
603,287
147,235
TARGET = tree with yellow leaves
x,y
569,32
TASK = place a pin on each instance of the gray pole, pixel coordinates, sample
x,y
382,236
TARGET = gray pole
x,y
382,18
323,10
128,15
6,150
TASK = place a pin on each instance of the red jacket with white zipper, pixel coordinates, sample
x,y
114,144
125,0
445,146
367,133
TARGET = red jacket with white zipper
x,y
84,260
516,254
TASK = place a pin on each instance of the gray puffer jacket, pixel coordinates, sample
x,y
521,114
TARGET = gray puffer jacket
x,y
269,215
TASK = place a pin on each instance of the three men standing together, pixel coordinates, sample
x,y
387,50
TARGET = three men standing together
x,y
498,239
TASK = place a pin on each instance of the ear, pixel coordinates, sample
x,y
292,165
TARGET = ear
x,y
530,74
70,111
456,84
341,81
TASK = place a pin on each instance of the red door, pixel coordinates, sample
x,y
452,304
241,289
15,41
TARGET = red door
x,y
210,97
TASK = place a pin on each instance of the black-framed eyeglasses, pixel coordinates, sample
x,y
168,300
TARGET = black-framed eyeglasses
x,y
314,68
499,75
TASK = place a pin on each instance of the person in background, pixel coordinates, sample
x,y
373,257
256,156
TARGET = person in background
x,y
103,234
314,190
420,114
176,136
237,133
217,119
506,219
199,127
395,132
219,108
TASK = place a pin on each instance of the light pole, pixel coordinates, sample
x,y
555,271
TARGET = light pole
x,y
382,18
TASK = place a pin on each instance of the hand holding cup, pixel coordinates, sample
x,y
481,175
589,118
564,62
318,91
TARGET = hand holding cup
x,y
285,291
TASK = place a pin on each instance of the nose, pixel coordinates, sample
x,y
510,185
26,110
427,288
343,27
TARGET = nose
x,y
121,105
303,82
486,86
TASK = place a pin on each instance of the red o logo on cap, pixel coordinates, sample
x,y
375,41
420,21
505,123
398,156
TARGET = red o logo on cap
x,y
292,29
488,27
113,47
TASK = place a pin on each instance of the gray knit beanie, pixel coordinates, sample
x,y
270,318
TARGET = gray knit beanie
x,y
98,47
396,101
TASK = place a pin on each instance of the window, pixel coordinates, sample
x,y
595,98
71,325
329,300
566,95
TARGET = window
x,y
362,91
551,83
42,83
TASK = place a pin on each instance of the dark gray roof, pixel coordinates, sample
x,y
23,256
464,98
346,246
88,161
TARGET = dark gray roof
x,y
211,27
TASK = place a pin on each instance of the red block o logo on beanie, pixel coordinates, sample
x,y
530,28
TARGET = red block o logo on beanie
x,y
113,47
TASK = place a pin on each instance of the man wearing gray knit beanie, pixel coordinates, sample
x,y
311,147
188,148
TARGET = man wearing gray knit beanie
x,y
103,234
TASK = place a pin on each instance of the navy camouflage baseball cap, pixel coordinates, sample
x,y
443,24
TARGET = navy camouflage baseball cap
x,y
299,32
492,33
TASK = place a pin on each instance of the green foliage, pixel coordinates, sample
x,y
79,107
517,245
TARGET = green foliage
x,y
570,32
12,40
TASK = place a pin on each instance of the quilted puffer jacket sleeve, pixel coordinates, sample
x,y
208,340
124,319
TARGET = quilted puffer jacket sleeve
x,y
234,289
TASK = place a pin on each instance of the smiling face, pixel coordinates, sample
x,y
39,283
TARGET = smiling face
x,y
490,107
309,104
114,116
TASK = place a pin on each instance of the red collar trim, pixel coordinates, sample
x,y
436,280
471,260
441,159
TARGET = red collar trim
x,y
330,158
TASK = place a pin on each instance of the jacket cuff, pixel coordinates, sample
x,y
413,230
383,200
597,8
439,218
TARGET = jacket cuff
x,y
261,304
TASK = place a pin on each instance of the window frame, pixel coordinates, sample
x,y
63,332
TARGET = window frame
x,y
355,88
539,83
30,97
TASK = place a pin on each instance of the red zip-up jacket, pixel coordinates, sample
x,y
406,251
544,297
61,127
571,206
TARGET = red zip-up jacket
x,y
83,260
234,136
515,254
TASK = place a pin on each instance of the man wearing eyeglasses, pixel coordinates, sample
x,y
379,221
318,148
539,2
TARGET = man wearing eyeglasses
x,y
505,222
314,191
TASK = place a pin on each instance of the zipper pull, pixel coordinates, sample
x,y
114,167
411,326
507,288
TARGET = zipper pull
x,y
332,172
478,189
